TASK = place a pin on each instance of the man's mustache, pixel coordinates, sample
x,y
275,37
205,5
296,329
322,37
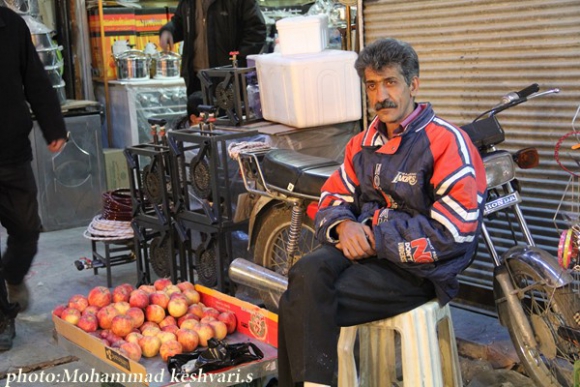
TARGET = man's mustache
x,y
385,104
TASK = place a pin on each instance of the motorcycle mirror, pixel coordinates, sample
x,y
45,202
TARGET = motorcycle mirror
x,y
527,158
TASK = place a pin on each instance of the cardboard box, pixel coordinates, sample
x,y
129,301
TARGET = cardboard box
x,y
254,324
119,24
148,21
96,347
116,169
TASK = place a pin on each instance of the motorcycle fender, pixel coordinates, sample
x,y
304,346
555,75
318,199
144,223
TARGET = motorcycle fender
x,y
545,265
260,205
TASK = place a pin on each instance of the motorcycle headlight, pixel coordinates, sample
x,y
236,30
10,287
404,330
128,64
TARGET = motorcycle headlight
x,y
499,168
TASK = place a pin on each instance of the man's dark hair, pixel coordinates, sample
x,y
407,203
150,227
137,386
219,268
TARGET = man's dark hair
x,y
388,52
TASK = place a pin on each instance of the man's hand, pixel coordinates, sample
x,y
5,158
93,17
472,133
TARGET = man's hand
x,y
57,145
357,240
166,41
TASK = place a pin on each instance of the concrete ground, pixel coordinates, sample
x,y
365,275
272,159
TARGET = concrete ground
x,y
36,359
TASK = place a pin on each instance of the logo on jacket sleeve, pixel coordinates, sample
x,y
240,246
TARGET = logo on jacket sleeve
x,y
403,177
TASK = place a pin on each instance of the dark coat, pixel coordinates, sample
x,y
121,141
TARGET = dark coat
x,y
23,79
232,25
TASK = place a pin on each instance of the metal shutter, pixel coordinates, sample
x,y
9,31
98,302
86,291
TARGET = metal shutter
x,y
472,53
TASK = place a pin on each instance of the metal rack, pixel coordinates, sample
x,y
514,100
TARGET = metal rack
x,y
204,199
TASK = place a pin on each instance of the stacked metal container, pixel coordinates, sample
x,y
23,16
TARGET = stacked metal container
x,y
50,54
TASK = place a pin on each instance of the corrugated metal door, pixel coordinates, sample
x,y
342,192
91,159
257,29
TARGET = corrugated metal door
x,y
474,52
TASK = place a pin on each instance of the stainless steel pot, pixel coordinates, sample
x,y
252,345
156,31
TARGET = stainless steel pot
x,y
132,65
167,65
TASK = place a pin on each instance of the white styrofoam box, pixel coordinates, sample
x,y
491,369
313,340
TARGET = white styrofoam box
x,y
302,34
309,90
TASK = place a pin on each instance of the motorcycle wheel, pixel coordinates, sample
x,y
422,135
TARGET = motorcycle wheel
x,y
551,362
271,242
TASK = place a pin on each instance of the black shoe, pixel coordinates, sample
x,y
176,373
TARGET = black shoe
x,y
19,294
7,334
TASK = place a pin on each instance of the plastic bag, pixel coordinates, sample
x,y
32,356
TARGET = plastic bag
x,y
218,355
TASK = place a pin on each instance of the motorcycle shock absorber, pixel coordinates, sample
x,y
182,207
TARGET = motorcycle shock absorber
x,y
294,234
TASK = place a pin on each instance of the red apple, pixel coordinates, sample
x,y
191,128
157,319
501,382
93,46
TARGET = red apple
x,y
139,299
91,309
133,337
88,323
150,331
205,332
188,339
185,285
79,302
168,320
122,325
187,316
162,283
189,324
178,295
208,319
166,336
71,315
177,307
192,296
171,289
137,316
212,312
196,309
132,351
170,328
122,307
148,324
160,298
154,313
170,348
122,293
100,296
229,318
150,345
220,329
57,311
147,288
106,315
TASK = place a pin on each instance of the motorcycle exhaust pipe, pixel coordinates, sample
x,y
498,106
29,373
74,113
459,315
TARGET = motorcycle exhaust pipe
x,y
244,272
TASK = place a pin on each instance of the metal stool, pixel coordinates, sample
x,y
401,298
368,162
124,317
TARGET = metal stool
x,y
428,350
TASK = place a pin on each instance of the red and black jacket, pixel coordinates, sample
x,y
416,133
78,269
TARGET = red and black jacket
x,y
423,192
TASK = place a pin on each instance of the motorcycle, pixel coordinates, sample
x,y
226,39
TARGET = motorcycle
x,y
535,297
282,185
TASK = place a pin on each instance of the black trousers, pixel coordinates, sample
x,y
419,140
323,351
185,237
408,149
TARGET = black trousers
x,y
19,215
327,291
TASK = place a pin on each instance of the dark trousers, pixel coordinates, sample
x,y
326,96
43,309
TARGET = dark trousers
x,y
327,291
19,215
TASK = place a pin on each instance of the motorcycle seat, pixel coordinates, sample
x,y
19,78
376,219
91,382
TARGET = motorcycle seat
x,y
289,170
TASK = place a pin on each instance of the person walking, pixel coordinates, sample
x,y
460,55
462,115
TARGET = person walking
x,y
24,85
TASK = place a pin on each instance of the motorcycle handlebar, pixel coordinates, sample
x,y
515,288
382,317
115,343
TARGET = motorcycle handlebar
x,y
527,93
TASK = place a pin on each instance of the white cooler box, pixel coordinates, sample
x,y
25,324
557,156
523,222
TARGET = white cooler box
x,y
307,90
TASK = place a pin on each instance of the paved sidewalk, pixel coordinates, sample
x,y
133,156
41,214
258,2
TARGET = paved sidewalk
x,y
487,354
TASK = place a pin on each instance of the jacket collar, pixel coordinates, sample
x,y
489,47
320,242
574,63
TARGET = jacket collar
x,y
374,138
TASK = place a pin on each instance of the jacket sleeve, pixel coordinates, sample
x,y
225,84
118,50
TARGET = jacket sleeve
x,y
254,29
451,227
175,25
337,199
40,94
